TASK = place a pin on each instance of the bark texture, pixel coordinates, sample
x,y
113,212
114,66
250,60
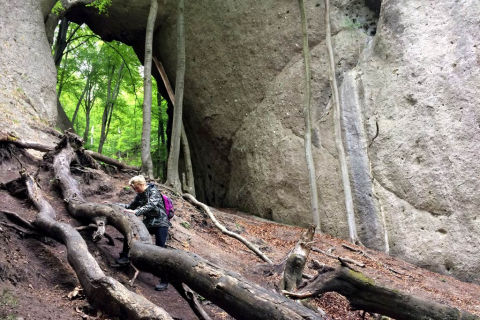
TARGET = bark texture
x,y
105,293
234,294
307,113
147,165
364,294
173,177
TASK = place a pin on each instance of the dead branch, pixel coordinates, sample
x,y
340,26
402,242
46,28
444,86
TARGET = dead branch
x,y
374,260
12,138
103,292
364,294
225,230
359,264
235,295
192,300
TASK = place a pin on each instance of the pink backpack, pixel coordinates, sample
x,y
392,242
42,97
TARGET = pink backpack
x,y
168,204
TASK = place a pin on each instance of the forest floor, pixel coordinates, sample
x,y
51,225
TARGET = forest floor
x,y
36,279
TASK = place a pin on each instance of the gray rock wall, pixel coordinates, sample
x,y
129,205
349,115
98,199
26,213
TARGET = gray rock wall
x,y
412,122
27,72
420,81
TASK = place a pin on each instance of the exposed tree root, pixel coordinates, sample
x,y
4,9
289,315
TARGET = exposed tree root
x,y
13,139
192,300
224,230
364,294
103,292
235,295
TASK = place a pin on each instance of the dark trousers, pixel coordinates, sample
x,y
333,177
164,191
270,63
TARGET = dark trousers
x,y
161,234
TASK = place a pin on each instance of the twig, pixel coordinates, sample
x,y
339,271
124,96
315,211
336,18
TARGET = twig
x,y
134,276
374,260
359,264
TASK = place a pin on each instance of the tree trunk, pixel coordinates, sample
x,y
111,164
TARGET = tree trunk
x,y
173,178
61,42
62,119
160,139
236,295
312,177
103,292
338,131
147,165
190,185
109,105
74,117
296,260
364,294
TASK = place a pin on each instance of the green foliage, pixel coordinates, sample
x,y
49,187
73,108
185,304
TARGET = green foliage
x,y
185,224
87,57
348,23
101,5
58,8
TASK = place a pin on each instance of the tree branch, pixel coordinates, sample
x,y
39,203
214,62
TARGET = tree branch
x,y
224,230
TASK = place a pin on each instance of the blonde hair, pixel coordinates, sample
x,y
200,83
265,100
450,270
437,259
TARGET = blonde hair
x,y
137,180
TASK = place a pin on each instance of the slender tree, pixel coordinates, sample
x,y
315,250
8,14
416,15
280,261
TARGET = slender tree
x,y
110,104
189,185
89,102
173,178
160,139
338,130
308,122
147,165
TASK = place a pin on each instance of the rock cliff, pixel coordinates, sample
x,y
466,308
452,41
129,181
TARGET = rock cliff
x,y
409,90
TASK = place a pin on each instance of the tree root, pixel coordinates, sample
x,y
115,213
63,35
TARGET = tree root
x,y
364,294
235,295
224,230
192,300
103,292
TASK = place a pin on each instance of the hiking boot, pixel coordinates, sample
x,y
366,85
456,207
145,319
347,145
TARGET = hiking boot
x,y
122,261
161,286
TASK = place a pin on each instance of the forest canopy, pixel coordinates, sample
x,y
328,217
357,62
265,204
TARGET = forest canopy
x,y
100,86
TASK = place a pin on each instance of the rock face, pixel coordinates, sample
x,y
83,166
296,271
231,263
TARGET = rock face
x,y
27,73
419,81
409,94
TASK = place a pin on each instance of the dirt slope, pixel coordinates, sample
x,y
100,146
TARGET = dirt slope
x,y
35,277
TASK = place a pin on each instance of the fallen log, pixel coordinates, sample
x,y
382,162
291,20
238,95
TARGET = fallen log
x,y
364,294
234,294
108,160
103,292
13,139
237,296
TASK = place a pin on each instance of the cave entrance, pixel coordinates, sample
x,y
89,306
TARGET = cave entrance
x,y
100,95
